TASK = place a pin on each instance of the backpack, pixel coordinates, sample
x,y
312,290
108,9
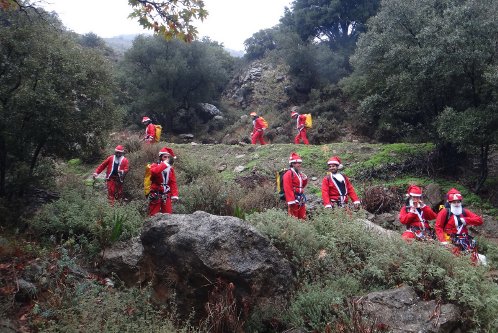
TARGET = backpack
x,y
157,135
147,180
265,123
309,122
279,177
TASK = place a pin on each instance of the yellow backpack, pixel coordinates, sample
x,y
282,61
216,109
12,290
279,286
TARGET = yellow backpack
x,y
265,123
309,121
159,130
147,180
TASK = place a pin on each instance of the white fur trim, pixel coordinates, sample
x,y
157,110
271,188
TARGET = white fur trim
x,y
291,202
414,195
356,202
296,161
119,151
174,197
328,206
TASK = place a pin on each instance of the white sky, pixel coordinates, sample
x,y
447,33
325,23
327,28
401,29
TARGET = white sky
x,y
229,22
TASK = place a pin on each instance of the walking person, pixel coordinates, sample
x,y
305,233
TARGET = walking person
x,y
336,187
163,188
301,128
116,167
258,130
294,183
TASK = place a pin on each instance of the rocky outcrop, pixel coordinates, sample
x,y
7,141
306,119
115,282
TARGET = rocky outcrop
x,y
126,260
195,255
401,310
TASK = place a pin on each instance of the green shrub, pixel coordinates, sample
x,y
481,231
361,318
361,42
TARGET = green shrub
x,y
333,245
98,309
82,216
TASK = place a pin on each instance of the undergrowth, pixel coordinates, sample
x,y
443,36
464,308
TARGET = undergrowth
x,y
335,258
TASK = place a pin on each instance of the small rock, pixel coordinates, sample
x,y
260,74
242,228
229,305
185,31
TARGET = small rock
x,y
221,167
27,291
193,144
186,136
240,156
239,168
313,178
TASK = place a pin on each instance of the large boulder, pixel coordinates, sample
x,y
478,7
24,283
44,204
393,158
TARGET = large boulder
x,y
199,256
401,310
126,260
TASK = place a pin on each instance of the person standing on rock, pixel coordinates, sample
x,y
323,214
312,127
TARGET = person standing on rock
x,y
163,188
116,167
294,183
301,128
336,187
258,129
451,225
415,216
150,130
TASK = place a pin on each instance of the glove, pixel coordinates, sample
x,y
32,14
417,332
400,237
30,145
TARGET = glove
x,y
304,176
94,175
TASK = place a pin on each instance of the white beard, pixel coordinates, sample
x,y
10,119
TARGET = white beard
x,y
456,210
338,176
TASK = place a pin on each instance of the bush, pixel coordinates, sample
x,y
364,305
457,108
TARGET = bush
x,y
81,216
335,246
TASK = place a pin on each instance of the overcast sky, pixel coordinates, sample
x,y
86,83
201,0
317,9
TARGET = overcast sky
x,y
229,22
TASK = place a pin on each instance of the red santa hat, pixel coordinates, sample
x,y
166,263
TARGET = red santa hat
x,y
144,119
294,158
414,191
335,160
294,114
167,151
253,114
453,195
119,149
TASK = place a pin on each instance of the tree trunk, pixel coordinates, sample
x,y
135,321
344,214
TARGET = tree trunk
x,y
483,167
34,158
3,166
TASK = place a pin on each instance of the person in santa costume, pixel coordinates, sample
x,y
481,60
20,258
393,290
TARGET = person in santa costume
x,y
336,187
150,130
116,167
415,215
451,225
301,128
163,189
258,129
294,183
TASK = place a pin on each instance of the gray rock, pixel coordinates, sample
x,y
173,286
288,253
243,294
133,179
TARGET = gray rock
x,y
401,310
433,195
219,118
186,136
126,260
192,253
27,291
239,168
210,109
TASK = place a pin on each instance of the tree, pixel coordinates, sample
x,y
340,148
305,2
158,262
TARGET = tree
x,y
259,43
55,96
426,65
167,79
169,18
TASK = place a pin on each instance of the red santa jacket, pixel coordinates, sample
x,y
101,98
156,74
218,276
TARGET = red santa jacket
x,y
418,219
150,132
301,121
163,179
258,125
109,163
330,191
294,183
451,226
